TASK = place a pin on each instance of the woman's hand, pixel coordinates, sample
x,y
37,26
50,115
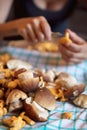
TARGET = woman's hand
x,y
34,29
75,52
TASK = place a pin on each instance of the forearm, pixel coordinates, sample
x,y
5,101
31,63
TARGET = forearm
x,y
9,29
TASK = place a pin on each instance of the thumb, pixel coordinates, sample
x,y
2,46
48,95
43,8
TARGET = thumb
x,y
74,37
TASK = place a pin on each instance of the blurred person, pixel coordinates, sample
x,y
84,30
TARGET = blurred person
x,y
36,19
55,12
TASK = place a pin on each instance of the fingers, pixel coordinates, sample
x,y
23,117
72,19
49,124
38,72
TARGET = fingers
x,y
30,33
23,33
45,28
73,47
36,29
70,56
74,37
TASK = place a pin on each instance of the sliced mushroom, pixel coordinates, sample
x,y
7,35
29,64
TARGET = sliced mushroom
x,y
14,99
81,101
45,98
35,111
18,64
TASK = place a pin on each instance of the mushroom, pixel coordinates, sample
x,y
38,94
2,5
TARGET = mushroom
x,y
69,85
75,91
14,100
18,64
29,85
45,98
26,75
35,111
81,101
19,71
28,82
65,39
2,75
49,76
70,80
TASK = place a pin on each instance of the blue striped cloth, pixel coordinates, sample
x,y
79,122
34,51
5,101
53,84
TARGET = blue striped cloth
x,y
50,61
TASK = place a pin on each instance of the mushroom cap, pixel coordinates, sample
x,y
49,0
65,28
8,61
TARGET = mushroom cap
x,y
49,76
81,101
35,111
26,75
18,64
70,80
15,95
75,91
45,98
15,106
29,85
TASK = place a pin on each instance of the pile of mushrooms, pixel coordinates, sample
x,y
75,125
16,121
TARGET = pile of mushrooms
x,y
36,91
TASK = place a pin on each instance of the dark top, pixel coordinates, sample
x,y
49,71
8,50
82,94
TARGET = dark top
x,y
27,8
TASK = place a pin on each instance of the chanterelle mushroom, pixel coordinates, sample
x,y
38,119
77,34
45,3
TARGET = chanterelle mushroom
x,y
14,99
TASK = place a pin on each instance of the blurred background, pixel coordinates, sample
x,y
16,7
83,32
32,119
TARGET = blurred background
x,y
78,20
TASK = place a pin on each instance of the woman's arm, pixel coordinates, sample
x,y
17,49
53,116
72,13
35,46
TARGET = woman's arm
x,y
9,29
36,28
5,6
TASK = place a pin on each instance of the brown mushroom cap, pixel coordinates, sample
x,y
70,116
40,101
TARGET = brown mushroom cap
x,y
15,106
15,95
75,90
70,80
28,82
29,85
45,98
13,100
81,101
26,75
35,111
49,76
